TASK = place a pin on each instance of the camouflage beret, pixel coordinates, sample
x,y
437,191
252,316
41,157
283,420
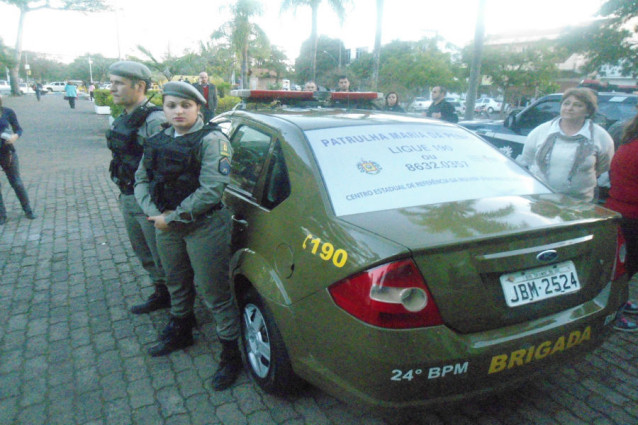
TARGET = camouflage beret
x,y
183,90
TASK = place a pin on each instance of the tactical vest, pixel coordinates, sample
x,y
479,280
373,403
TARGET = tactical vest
x,y
127,152
172,166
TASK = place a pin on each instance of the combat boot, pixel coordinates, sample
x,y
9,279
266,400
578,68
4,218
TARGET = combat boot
x,y
178,334
230,365
189,320
158,300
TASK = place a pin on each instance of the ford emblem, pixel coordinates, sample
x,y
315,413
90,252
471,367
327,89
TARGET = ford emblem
x,y
547,256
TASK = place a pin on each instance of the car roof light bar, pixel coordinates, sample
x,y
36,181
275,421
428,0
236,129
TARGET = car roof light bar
x,y
305,98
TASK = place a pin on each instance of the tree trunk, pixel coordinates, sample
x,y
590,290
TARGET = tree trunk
x,y
244,68
475,71
314,39
14,71
377,46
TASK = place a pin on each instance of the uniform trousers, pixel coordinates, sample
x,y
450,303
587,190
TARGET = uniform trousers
x,y
11,167
141,233
196,259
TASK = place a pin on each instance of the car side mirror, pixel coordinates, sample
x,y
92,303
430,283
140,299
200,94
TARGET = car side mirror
x,y
510,121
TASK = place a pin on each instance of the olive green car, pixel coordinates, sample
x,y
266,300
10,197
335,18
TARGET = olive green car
x,y
399,261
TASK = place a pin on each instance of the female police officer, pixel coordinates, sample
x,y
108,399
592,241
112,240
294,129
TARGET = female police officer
x,y
179,185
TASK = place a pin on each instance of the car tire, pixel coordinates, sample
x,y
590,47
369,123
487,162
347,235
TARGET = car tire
x,y
263,348
490,110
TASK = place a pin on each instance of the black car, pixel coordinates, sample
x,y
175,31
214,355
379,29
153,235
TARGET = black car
x,y
509,135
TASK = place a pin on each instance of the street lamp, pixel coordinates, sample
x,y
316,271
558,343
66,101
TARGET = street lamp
x,y
90,71
333,58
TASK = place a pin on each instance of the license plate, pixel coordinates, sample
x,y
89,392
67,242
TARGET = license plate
x,y
533,285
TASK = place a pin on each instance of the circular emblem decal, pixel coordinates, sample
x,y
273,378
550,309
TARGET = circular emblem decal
x,y
547,256
369,167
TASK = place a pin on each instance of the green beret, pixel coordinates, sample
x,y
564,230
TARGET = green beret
x,y
183,90
130,69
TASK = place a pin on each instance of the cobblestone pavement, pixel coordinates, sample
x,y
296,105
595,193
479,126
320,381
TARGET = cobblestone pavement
x,y
71,353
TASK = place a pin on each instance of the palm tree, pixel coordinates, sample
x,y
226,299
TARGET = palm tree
x,y
337,5
241,33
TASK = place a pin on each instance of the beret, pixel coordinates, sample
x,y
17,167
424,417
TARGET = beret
x,y
130,69
183,90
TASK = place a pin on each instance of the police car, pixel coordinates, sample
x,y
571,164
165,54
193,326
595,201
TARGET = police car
x,y
399,261
509,135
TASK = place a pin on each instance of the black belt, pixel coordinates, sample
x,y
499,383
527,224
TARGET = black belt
x,y
194,217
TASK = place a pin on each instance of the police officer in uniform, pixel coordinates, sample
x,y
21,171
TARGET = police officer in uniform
x,y
179,185
139,121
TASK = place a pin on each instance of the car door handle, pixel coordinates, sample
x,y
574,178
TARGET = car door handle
x,y
240,221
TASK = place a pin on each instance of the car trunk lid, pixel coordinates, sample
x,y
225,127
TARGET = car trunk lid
x,y
465,249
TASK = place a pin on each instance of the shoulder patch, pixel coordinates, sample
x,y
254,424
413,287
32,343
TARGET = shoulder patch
x,y
224,166
224,148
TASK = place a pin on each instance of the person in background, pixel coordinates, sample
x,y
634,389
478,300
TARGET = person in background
x,y
623,198
10,132
392,102
71,93
129,83
440,108
209,91
310,86
37,88
344,83
91,90
570,152
179,185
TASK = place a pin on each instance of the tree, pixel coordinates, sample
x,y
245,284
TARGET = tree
x,y
608,40
377,45
337,5
79,68
27,6
520,72
242,34
327,66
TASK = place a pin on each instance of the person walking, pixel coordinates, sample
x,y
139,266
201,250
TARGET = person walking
x,y
209,91
37,88
179,185
623,198
70,93
570,152
10,132
129,83
440,108
91,90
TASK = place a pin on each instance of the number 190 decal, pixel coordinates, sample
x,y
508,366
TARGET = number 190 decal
x,y
328,252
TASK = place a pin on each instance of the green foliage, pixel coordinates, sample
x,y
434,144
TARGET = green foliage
x,y
227,103
102,97
607,41
327,62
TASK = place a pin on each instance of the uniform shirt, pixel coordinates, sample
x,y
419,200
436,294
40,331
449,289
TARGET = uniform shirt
x,y
214,155
9,122
584,180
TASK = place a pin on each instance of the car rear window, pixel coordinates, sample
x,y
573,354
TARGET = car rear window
x,y
380,167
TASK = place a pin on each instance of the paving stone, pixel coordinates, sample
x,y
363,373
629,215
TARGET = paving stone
x,y
230,414
171,401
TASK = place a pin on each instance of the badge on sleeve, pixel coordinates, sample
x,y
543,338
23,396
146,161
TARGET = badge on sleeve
x,y
224,166
224,148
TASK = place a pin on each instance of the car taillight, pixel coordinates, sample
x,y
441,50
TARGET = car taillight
x,y
393,295
621,255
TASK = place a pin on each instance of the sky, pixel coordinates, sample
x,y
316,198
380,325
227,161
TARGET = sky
x,y
162,25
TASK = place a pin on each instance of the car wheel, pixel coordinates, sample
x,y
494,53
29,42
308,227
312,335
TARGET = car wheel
x,y
490,110
263,348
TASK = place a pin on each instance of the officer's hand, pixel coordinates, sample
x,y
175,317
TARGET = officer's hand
x,y
12,139
159,221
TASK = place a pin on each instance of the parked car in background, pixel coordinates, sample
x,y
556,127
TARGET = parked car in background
x,y
25,88
442,269
487,104
5,86
458,104
509,135
419,104
56,86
